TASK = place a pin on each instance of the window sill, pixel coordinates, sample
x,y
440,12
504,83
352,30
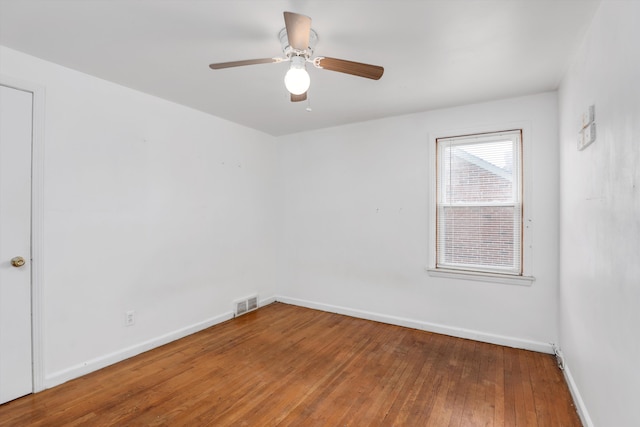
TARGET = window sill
x,y
481,277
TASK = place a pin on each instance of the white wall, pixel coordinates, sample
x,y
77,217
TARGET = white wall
x,y
355,225
600,219
148,206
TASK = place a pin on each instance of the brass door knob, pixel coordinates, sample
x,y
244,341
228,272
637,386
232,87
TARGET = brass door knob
x,y
17,261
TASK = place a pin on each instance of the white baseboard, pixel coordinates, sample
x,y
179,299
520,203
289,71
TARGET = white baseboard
x,y
84,368
577,398
267,301
100,362
453,331
62,376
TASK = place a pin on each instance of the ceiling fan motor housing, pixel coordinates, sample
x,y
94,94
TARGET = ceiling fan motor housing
x,y
289,51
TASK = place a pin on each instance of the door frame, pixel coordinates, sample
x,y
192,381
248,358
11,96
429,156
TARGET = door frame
x,y
37,220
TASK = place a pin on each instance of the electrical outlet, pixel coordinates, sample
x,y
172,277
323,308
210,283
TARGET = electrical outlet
x,y
130,318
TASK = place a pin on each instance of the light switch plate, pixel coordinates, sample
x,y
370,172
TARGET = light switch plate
x,y
588,116
580,139
588,136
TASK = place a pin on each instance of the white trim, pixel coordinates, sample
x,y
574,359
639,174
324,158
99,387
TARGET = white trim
x,y
100,362
453,331
481,277
37,221
527,184
267,301
577,398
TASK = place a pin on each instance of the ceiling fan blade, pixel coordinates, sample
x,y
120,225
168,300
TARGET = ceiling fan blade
x,y
298,29
349,67
298,98
222,65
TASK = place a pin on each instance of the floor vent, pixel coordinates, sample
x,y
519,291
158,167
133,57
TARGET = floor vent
x,y
246,305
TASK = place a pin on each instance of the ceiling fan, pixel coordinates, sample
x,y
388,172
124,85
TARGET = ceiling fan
x,y
298,40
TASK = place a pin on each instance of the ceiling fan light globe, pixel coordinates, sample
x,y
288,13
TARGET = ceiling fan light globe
x,y
297,81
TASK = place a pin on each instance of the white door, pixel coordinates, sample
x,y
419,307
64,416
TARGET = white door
x,y
16,112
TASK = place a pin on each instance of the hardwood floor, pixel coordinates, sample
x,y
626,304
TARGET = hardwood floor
x,y
290,366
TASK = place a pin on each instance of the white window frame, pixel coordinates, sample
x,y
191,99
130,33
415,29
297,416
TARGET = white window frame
x,y
526,278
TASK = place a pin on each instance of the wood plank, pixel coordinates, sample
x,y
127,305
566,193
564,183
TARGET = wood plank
x,y
289,366
449,367
497,366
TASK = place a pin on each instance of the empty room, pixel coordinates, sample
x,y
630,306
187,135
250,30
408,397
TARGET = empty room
x,y
320,213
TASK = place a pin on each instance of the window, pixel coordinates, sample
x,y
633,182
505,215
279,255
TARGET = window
x,y
478,224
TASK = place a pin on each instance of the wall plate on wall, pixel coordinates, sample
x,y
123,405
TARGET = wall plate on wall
x,y
589,116
587,133
586,136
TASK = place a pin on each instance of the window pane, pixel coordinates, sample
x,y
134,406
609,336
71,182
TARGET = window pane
x,y
478,172
483,236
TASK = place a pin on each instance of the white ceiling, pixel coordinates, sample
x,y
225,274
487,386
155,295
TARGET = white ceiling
x,y
436,53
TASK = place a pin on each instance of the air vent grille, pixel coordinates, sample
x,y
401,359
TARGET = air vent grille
x,y
241,308
245,305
